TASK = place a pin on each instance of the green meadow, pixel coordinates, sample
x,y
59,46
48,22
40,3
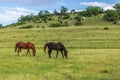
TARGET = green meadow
x,y
93,54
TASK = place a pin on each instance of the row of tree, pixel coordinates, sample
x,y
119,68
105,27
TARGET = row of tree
x,y
45,16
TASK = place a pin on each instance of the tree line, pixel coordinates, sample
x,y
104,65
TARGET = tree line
x,y
65,18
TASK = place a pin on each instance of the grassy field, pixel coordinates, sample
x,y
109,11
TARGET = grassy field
x,y
94,54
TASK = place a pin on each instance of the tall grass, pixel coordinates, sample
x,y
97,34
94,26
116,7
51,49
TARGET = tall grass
x,y
85,64
93,54
76,37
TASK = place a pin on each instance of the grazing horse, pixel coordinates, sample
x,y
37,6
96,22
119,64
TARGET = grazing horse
x,y
21,45
56,46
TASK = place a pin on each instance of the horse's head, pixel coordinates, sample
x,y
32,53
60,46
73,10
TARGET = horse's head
x,y
65,53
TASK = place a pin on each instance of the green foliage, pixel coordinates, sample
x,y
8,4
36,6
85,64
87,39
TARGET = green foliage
x,y
55,12
78,20
55,25
106,28
63,10
77,23
1,25
26,27
73,18
66,16
93,11
111,15
117,6
43,14
26,18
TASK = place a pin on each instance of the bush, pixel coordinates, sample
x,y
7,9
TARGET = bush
x,y
77,23
55,25
106,28
66,17
38,26
65,24
26,27
20,23
115,22
42,26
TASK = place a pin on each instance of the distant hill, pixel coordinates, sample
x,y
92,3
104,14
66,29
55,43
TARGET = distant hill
x,y
91,16
63,21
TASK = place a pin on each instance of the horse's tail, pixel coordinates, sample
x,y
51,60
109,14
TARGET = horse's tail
x,y
45,46
16,47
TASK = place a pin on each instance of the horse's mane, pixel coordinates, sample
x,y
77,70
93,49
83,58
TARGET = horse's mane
x,y
61,45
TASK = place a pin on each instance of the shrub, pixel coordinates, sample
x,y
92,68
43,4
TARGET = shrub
x,y
55,25
66,17
42,26
20,23
77,23
106,28
38,26
26,27
115,22
65,24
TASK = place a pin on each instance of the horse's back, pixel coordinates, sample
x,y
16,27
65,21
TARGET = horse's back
x,y
24,45
55,46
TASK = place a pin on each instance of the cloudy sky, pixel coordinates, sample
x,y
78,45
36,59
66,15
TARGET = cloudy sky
x,y
11,10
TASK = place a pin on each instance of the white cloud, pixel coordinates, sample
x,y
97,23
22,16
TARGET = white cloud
x,y
10,15
104,5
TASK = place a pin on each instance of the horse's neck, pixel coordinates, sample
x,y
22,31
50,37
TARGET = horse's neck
x,y
64,49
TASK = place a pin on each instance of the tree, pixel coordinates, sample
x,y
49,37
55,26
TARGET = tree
x,y
111,15
26,18
117,6
1,25
55,12
40,14
63,10
43,14
22,19
46,13
93,10
73,11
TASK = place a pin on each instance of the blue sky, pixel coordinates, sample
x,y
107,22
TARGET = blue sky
x,y
11,10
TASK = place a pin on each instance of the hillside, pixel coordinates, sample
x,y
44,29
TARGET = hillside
x,y
72,20
93,54
72,37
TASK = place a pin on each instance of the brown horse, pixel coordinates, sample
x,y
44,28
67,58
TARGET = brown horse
x,y
56,46
21,45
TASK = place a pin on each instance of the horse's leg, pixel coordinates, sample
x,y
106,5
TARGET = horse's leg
x,y
33,51
57,54
19,51
49,52
28,51
62,54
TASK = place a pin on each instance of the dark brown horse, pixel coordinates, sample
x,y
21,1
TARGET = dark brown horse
x,y
21,45
56,46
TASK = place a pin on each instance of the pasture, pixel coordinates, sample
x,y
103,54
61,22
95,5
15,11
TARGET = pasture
x,y
94,54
